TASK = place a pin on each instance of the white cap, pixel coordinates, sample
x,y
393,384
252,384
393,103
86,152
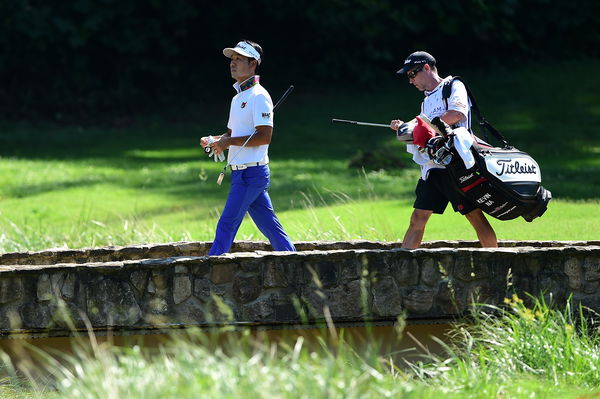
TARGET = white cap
x,y
244,49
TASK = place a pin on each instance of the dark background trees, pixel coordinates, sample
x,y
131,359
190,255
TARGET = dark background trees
x,y
117,56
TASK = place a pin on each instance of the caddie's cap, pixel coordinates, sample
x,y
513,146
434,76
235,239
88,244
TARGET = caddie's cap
x,y
416,59
242,48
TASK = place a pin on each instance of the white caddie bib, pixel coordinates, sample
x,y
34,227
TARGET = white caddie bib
x,y
433,105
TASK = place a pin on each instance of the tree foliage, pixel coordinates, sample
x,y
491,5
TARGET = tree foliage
x,y
108,55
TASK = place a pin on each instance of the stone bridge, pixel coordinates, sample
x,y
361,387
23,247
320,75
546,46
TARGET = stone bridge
x,y
156,288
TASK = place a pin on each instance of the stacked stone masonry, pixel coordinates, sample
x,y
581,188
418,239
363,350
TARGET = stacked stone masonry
x,y
157,287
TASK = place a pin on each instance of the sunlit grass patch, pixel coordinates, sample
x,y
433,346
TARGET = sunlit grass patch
x,y
82,186
524,342
343,218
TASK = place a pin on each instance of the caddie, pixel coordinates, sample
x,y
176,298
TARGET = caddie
x,y
435,188
251,110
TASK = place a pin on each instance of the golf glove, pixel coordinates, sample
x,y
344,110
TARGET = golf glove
x,y
216,157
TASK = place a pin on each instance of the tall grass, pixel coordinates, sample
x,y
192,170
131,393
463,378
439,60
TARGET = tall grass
x,y
82,187
13,388
88,233
510,352
317,218
262,371
503,345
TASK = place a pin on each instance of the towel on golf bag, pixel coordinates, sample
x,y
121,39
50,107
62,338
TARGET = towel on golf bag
x,y
504,182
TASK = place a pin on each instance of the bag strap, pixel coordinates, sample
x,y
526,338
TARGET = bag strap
x,y
447,90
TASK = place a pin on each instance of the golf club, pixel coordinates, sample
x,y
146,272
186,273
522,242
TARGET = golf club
x,y
360,123
404,132
277,104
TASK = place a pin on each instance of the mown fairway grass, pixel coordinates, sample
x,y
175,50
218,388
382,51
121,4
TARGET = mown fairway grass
x,y
149,181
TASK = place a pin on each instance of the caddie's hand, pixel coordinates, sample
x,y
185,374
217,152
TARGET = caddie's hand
x,y
395,124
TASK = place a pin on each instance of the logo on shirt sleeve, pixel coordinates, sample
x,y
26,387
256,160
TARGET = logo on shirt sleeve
x,y
244,104
266,115
459,104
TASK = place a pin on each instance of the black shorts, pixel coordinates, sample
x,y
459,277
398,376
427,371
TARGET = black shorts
x,y
434,194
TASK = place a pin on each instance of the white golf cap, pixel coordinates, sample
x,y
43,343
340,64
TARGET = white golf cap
x,y
244,49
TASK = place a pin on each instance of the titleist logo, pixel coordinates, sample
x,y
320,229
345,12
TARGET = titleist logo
x,y
511,167
463,179
498,208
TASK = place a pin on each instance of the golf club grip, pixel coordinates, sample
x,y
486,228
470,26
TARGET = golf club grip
x,y
283,97
360,123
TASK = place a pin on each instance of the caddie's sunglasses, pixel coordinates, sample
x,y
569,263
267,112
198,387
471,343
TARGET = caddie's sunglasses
x,y
414,72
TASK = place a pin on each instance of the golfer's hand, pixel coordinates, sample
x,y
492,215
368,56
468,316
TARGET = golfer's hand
x,y
217,156
220,145
395,124
204,141
207,140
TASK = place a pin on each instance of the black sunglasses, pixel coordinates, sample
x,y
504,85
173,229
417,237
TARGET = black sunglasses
x,y
414,72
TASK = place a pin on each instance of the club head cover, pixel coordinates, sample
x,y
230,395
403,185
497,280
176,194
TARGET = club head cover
x,y
405,131
422,133
442,126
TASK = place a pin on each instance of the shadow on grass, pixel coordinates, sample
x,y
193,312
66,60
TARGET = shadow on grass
x,y
553,122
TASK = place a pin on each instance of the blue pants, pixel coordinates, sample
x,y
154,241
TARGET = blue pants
x,y
248,193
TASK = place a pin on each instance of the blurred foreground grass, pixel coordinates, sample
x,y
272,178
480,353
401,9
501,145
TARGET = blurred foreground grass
x,y
523,350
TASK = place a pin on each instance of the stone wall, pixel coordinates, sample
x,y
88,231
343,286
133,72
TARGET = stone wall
x,y
157,287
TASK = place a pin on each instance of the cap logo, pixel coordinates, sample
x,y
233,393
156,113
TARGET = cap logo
x,y
418,58
242,48
248,50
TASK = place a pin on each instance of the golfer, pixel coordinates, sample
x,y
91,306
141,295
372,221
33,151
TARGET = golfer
x,y
435,188
251,109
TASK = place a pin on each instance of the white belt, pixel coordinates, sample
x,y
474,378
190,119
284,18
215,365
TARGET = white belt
x,y
247,165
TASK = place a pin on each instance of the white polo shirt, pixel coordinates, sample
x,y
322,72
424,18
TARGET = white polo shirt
x,y
433,105
251,107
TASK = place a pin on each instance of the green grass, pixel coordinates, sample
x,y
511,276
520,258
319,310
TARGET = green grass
x,y
148,181
519,351
12,387
76,186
